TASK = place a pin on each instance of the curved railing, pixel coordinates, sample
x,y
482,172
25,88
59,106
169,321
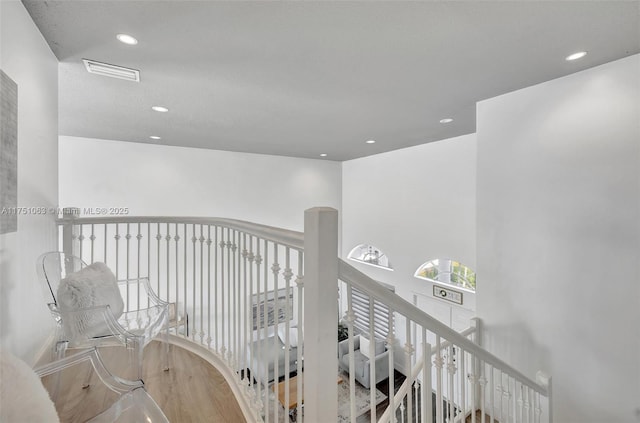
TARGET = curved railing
x,y
231,285
243,292
293,239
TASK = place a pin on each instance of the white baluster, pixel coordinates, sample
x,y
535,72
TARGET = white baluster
x,y
80,239
233,322
473,385
106,239
236,248
138,248
249,309
216,283
438,362
275,268
463,382
299,365
92,238
427,402
127,277
230,275
184,265
209,242
391,341
148,248
259,299
508,395
176,238
168,238
117,238
409,350
482,381
492,408
158,248
511,411
194,239
245,306
523,392
501,390
372,367
416,398
202,239
288,274
222,243
451,371
265,321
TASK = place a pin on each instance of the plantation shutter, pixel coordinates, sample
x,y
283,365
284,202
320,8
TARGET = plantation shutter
x,y
381,314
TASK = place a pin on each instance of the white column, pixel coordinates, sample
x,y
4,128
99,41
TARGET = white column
x,y
68,213
320,314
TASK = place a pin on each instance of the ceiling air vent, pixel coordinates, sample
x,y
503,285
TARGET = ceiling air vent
x,y
112,71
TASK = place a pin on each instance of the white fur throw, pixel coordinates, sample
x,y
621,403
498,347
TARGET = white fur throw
x,y
22,396
94,285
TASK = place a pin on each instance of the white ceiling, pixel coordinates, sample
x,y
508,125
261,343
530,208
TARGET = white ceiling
x,y
304,78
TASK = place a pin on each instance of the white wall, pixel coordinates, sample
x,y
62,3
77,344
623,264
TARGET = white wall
x,y
415,204
559,237
26,58
161,180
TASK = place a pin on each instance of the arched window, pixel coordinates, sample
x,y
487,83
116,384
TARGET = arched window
x,y
368,254
447,271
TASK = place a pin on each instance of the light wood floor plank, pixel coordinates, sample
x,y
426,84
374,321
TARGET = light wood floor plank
x,y
191,391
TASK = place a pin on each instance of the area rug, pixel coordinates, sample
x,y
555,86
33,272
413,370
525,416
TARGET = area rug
x,y
362,400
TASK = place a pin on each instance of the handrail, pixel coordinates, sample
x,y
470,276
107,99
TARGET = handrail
x,y
417,368
363,282
290,238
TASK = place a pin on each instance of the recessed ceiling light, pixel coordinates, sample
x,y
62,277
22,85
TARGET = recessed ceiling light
x,y
323,155
160,109
155,137
446,120
127,39
370,142
576,56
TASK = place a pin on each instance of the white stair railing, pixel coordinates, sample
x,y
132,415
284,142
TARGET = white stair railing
x,y
233,286
462,380
238,291
412,382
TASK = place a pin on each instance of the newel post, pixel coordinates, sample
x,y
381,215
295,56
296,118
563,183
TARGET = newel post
x,y
320,314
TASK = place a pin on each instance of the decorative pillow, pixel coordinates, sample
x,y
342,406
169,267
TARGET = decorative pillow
x,y
22,395
94,285
364,346
293,336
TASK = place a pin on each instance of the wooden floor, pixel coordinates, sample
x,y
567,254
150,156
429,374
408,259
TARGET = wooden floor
x,y
191,391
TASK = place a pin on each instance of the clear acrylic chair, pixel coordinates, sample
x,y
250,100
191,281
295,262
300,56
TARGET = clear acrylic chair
x,y
144,316
134,403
